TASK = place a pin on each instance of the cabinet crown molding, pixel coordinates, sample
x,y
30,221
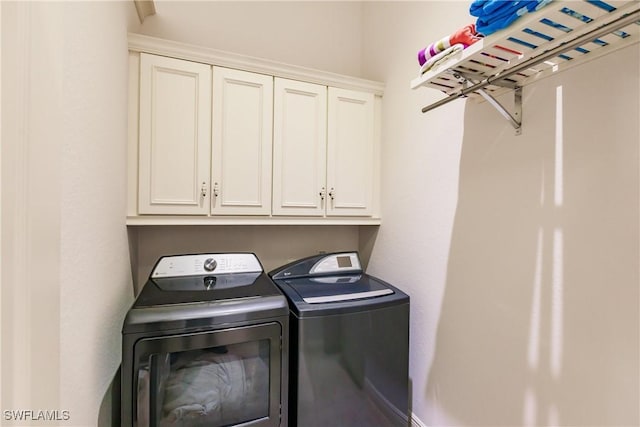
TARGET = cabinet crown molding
x,y
158,46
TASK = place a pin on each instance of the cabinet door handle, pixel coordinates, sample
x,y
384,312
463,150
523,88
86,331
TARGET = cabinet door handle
x,y
203,190
332,193
215,189
322,193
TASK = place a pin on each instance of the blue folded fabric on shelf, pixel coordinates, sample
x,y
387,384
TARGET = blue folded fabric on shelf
x,y
494,15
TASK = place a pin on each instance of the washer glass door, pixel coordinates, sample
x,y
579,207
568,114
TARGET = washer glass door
x,y
217,378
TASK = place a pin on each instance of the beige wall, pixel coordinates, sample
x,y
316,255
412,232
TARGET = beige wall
x,y
1,406
65,247
524,303
66,274
323,35
273,245
520,253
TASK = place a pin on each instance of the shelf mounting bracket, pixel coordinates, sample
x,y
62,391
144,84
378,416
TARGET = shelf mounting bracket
x,y
514,118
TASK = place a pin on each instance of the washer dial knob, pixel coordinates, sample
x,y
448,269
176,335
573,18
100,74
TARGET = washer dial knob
x,y
210,264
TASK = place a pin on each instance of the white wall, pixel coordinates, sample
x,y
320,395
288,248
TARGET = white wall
x,y
66,274
520,253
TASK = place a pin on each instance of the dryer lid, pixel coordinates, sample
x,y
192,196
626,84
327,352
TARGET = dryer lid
x,y
206,282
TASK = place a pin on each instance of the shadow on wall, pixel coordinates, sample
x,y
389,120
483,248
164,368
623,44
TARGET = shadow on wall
x,y
539,321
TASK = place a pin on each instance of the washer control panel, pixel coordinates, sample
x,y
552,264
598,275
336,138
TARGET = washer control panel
x,y
337,263
196,265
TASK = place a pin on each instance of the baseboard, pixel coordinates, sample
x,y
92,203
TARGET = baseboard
x,y
416,422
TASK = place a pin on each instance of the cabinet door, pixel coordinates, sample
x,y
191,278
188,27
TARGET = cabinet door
x,y
350,153
299,162
175,136
242,142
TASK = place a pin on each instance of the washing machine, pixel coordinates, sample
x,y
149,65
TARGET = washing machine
x,y
206,344
349,344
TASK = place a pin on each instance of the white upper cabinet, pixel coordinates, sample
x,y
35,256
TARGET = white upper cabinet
x,y
242,142
299,151
323,150
350,153
220,138
174,138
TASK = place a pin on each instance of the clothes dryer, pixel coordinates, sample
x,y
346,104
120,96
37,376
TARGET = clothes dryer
x,y
206,344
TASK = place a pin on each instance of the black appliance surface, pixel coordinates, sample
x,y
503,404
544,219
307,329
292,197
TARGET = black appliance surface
x,y
187,280
349,342
206,287
205,343
317,290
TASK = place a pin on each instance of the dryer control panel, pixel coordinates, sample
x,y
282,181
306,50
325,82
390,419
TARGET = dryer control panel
x,y
196,265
